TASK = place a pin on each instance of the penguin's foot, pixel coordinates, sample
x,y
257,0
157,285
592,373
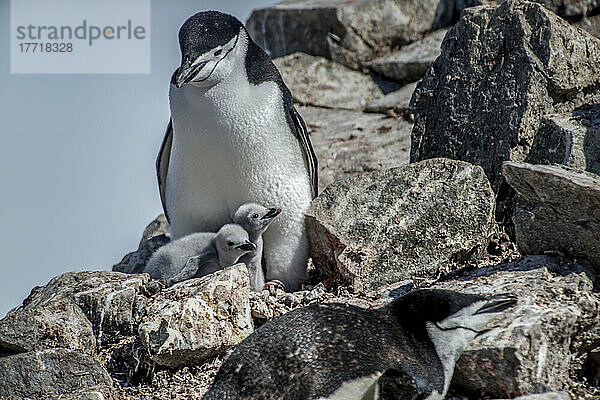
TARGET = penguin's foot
x,y
273,285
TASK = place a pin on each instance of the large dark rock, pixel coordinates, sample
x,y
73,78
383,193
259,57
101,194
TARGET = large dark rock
x,y
532,348
349,142
501,70
198,318
53,374
408,222
350,32
316,81
558,209
572,140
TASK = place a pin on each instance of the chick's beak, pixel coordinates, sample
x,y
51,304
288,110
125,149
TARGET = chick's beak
x,y
247,246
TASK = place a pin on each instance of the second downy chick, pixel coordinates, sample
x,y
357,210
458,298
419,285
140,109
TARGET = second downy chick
x,y
255,219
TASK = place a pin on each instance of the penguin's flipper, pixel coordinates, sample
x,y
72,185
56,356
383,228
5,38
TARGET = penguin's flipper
x,y
191,267
310,157
162,165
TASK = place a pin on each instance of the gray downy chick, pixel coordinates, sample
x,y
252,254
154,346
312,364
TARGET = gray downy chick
x,y
255,219
199,254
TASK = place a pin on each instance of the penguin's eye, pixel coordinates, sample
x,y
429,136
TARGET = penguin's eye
x,y
230,244
218,52
255,216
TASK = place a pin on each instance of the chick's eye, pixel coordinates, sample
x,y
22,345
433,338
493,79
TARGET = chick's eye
x,y
218,52
255,216
230,244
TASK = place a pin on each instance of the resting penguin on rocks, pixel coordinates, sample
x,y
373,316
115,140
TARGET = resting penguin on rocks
x,y
235,137
404,350
255,219
199,254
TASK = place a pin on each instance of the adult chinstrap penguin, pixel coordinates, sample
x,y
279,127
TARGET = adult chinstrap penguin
x,y
235,137
405,350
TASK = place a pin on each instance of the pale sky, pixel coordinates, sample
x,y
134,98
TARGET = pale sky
x,y
77,180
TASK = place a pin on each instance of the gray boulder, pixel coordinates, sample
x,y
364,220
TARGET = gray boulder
x,y
198,318
558,209
316,81
53,373
57,324
160,226
349,142
398,101
483,99
572,140
348,32
109,300
531,348
412,221
409,63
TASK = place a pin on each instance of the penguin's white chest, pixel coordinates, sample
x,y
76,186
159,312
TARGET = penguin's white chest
x,y
231,144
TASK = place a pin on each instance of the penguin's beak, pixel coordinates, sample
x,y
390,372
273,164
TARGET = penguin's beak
x,y
498,303
272,213
247,246
187,72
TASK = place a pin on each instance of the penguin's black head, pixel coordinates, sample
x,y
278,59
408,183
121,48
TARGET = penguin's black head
x,y
447,320
448,310
206,40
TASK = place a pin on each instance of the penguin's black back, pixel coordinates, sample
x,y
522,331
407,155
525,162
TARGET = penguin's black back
x,y
259,69
310,352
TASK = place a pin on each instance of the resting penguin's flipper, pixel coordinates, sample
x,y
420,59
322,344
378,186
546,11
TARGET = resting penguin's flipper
x,y
162,165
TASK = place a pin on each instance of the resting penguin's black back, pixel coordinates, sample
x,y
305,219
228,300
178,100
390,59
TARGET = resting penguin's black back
x,y
308,353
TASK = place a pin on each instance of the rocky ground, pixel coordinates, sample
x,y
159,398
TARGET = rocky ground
x,y
458,146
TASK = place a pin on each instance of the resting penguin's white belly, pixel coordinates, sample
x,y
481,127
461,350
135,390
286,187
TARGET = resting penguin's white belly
x,y
231,145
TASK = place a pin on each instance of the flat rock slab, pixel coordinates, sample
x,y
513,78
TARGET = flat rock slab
x,y
529,349
198,318
349,142
409,63
483,99
53,373
316,81
346,31
398,101
569,139
386,226
558,209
